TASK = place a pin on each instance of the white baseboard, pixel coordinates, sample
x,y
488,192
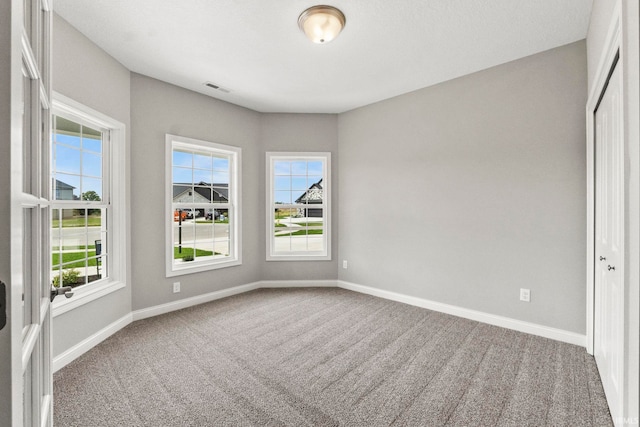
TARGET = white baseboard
x,y
82,347
491,319
298,283
189,302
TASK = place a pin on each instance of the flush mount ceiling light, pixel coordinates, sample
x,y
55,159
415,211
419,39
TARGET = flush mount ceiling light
x,y
321,24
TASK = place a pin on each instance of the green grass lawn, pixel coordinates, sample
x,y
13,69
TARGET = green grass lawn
x,y
208,221
189,252
73,256
66,248
92,221
300,233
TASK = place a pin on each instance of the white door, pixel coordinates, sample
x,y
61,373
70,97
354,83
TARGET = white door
x,y
29,390
609,241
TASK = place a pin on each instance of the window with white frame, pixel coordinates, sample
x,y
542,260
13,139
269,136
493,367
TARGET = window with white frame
x,y
87,203
298,206
203,205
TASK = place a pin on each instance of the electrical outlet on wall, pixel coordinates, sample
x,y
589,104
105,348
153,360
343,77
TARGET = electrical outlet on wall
x,y
344,264
525,295
176,287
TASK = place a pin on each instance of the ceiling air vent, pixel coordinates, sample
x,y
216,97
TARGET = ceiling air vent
x,y
216,87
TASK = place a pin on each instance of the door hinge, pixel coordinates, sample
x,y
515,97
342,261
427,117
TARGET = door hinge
x,y
3,305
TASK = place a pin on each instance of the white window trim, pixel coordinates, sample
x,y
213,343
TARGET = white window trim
x,y
235,182
117,214
324,255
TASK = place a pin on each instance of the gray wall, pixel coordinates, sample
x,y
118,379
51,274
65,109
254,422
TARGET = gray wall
x,y
460,193
159,108
84,72
300,132
464,192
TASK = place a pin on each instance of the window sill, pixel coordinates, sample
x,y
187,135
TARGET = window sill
x,y
83,296
298,258
188,267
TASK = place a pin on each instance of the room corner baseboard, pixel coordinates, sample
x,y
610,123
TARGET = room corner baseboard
x,y
79,349
492,319
298,283
87,344
189,302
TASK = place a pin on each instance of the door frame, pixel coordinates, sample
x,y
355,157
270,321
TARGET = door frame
x,y
612,53
25,348
617,51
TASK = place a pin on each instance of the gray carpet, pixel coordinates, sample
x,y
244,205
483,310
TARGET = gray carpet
x,y
326,357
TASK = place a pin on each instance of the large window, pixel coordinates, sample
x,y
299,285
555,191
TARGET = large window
x,y
87,203
298,206
203,209
80,207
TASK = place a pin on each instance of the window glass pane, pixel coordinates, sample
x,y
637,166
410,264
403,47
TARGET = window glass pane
x,y
220,164
282,241
182,175
222,248
182,158
94,222
299,167
314,180
67,187
284,214
201,176
202,161
314,167
282,197
281,183
97,269
91,189
182,194
67,132
202,194
91,164
301,198
180,215
299,183
70,219
204,239
282,167
184,234
67,140
220,178
220,194
72,271
67,160
221,236
91,140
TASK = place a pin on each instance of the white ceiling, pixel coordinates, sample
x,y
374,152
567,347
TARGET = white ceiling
x,y
254,48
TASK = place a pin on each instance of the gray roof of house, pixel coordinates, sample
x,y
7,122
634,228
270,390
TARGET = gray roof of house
x,y
220,191
317,185
63,185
